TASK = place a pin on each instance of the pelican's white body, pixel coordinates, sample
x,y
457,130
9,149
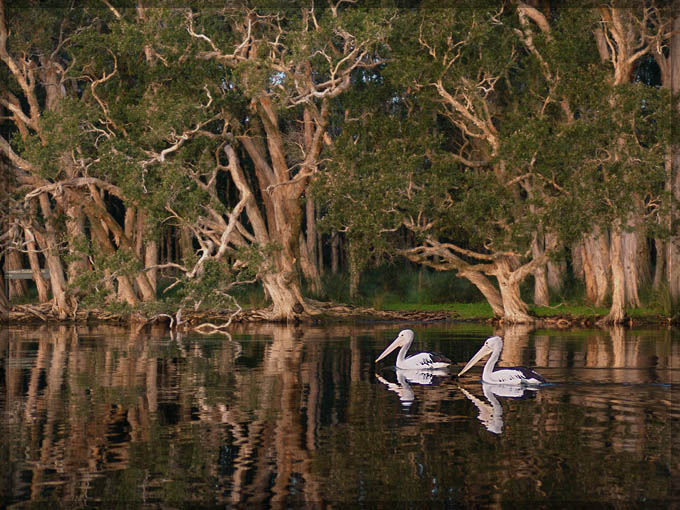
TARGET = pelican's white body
x,y
420,361
507,376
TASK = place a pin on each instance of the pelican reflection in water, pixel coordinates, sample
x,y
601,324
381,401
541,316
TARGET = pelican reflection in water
x,y
491,414
420,361
407,377
506,376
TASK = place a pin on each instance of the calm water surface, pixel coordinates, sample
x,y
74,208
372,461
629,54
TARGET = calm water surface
x,y
283,417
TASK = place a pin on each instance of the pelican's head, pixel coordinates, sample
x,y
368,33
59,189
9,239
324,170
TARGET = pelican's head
x,y
493,344
405,337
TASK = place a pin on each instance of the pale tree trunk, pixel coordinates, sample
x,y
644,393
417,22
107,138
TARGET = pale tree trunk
x,y
77,242
515,310
673,244
186,246
556,269
151,260
541,292
125,286
617,312
308,259
595,259
577,263
280,282
17,288
673,175
61,305
40,283
660,267
126,291
147,250
309,270
629,255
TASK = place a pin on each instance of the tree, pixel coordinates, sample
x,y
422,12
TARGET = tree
x,y
212,121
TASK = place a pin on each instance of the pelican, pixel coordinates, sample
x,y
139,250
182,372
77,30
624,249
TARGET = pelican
x,y
511,375
420,361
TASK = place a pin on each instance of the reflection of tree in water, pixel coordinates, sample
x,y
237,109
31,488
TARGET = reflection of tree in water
x,y
285,417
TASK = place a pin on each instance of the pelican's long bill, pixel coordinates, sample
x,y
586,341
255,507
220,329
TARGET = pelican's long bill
x,y
396,343
485,350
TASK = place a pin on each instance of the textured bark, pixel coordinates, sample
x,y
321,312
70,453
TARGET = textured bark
x,y
595,259
77,242
17,288
515,310
126,291
630,242
61,304
147,250
309,258
541,292
660,267
41,284
309,269
556,269
617,311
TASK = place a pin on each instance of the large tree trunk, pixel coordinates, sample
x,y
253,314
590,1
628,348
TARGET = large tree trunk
x,y
126,291
61,305
635,263
673,244
515,310
617,312
77,242
41,284
595,259
557,269
660,266
17,288
673,174
309,269
541,292
147,250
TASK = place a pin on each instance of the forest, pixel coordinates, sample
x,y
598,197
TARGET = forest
x,y
159,157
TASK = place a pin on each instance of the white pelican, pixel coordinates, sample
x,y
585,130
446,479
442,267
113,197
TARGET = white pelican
x,y
420,361
510,375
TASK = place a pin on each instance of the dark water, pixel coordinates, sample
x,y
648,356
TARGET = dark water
x,y
287,417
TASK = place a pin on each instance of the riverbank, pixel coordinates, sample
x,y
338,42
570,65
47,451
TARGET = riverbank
x,y
557,317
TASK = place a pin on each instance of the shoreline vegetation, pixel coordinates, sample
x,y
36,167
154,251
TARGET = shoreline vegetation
x,y
215,321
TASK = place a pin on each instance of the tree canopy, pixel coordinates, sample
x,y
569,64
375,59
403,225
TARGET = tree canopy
x,y
202,144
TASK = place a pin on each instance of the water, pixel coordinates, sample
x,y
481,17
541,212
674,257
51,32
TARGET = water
x,y
285,417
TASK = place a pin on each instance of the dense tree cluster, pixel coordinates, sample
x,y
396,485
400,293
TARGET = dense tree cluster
x,y
207,146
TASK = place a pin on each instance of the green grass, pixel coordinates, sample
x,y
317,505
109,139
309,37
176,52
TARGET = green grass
x,y
568,309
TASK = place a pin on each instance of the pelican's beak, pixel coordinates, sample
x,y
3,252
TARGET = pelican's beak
x,y
390,348
480,354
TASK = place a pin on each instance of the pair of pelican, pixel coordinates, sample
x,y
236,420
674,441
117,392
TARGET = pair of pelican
x,y
433,361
